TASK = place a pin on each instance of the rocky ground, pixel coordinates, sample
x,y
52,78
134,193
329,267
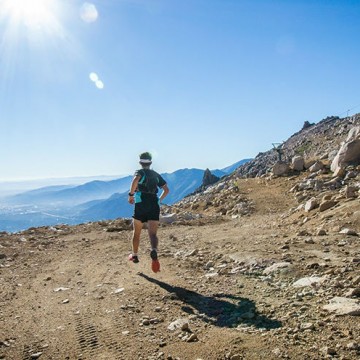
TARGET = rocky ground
x,y
271,280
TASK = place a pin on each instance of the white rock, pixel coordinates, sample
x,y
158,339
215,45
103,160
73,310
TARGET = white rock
x,y
343,306
349,151
211,275
168,219
276,267
119,290
347,231
311,204
308,281
182,324
61,288
298,163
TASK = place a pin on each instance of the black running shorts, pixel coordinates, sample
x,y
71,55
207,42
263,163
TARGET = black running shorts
x,y
147,209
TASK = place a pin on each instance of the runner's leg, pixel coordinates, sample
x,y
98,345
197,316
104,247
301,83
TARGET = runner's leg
x,y
137,227
152,230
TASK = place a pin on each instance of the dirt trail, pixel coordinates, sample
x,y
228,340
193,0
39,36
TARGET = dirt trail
x,y
70,293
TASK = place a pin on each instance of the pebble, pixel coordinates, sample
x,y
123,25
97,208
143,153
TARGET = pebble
x,y
61,288
328,351
192,338
36,355
347,231
307,326
119,290
182,324
353,346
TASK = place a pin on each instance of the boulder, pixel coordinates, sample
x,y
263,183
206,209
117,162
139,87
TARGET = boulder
x,y
349,152
311,204
298,163
316,167
280,168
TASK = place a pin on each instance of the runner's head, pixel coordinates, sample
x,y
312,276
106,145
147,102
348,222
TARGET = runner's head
x,y
145,159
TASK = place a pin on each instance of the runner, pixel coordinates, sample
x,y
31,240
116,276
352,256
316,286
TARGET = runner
x,y
143,193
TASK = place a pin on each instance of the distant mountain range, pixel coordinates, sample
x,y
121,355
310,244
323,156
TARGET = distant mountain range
x,y
93,201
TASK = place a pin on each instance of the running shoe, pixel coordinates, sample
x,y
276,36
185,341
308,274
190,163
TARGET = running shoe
x,y
133,258
155,265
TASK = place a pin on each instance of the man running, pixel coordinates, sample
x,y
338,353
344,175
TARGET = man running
x,y
143,193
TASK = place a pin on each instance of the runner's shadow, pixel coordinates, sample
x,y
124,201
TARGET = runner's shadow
x,y
221,310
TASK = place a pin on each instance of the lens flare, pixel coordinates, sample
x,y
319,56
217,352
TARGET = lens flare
x,y
88,12
99,84
93,77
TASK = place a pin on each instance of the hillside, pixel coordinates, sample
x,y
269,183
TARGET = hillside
x,y
254,267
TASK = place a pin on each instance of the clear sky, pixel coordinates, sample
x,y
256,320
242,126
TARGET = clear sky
x,y
86,86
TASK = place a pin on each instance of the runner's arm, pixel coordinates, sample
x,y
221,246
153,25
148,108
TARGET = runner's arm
x,y
133,187
165,191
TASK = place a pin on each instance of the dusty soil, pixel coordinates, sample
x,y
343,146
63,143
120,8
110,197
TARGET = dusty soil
x,y
70,292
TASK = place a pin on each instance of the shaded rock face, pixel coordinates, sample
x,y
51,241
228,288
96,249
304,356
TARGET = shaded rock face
x,y
307,124
209,178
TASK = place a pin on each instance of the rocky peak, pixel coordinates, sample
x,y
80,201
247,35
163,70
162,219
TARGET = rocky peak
x,y
209,178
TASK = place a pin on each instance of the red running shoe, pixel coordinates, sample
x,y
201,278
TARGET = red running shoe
x,y
155,265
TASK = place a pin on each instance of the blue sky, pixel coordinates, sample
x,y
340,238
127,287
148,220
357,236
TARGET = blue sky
x,y
199,83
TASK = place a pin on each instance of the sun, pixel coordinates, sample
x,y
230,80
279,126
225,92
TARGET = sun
x,y
33,14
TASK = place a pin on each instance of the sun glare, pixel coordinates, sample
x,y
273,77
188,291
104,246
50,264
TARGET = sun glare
x,y
34,14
